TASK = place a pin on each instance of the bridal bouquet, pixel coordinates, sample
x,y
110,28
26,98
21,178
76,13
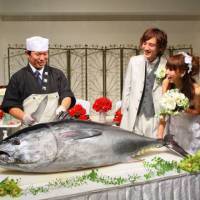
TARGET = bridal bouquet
x,y
102,104
173,102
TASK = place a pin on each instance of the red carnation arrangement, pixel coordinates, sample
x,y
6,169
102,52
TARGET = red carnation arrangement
x,y
78,112
1,113
118,117
102,104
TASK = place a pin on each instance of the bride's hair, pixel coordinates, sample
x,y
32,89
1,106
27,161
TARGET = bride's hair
x,y
189,66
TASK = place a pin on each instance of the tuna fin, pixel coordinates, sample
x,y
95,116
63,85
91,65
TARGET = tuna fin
x,y
132,159
82,134
135,159
172,145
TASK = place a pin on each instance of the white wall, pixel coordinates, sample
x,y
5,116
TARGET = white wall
x,y
97,32
66,6
102,33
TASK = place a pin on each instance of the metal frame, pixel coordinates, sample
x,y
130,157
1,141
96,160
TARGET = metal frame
x,y
83,55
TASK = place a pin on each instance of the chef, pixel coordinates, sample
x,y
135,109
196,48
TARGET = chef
x,y
38,92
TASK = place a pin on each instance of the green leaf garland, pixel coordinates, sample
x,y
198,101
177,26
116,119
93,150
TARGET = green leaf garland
x,y
156,167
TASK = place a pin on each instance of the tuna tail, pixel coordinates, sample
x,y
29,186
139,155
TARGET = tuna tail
x,y
169,142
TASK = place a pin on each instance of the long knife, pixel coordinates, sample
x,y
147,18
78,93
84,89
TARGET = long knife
x,y
40,109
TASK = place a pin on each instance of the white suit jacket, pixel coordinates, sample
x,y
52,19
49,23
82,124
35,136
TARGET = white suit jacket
x,y
133,89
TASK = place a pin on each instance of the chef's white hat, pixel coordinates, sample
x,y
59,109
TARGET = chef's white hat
x,y
37,43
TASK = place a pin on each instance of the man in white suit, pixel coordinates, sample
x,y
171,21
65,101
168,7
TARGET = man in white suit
x,y
141,92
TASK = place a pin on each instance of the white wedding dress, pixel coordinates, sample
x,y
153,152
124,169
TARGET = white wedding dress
x,y
186,131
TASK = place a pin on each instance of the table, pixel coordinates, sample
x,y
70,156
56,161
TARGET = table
x,y
8,126
171,186
109,119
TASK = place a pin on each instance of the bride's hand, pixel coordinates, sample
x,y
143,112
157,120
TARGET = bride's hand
x,y
165,85
192,111
161,127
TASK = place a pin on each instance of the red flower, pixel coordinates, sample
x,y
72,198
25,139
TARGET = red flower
x,y
102,104
118,117
1,114
78,112
84,117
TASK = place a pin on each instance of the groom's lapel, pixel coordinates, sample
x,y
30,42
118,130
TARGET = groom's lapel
x,y
142,71
162,64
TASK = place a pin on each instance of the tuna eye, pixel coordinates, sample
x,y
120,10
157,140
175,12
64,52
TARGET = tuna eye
x,y
15,141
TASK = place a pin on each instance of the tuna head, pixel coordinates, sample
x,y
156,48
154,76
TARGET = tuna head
x,y
28,149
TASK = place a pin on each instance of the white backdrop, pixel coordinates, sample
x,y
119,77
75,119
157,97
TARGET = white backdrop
x,y
60,21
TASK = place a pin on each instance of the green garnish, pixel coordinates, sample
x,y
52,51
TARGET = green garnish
x,y
156,167
10,187
191,163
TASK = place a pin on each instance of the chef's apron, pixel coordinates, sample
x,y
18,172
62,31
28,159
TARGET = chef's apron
x,y
32,102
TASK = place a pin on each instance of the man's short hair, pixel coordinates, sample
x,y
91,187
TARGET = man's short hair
x,y
160,35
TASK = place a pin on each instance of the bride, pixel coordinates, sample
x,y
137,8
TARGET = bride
x,y
185,127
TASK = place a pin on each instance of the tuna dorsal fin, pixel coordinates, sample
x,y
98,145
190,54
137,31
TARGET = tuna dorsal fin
x,y
81,134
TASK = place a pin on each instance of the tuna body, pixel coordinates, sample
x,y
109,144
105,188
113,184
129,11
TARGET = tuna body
x,y
69,145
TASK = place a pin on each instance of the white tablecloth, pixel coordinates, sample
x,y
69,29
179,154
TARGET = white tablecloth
x,y
171,186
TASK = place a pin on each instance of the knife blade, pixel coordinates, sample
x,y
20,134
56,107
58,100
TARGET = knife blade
x,y
37,114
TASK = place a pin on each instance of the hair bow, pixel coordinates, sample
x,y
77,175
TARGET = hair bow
x,y
187,60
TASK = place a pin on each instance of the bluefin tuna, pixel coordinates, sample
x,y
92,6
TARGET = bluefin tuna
x,y
69,145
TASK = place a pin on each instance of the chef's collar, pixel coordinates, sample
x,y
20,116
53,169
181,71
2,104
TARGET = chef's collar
x,y
34,69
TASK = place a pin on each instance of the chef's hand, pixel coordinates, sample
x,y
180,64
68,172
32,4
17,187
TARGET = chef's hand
x,y
63,116
28,120
60,110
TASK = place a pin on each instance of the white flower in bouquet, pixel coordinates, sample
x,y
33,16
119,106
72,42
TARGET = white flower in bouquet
x,y
160,73
173,102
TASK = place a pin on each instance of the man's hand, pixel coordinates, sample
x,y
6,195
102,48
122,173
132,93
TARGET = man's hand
x,y
60,109
63,116
28,120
